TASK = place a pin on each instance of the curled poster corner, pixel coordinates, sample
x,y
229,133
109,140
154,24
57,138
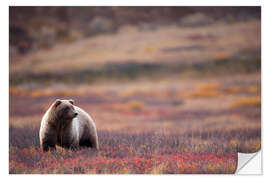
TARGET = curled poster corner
x,y
249,163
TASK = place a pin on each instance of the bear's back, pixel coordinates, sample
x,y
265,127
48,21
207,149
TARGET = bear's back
x,y
83,121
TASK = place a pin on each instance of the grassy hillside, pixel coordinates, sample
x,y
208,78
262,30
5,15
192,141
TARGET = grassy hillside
x,y
219,48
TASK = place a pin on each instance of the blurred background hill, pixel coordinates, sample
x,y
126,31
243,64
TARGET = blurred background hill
x,y
42,27
90,43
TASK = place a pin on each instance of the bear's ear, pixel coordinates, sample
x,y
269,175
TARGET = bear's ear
x,y
71,101
57,102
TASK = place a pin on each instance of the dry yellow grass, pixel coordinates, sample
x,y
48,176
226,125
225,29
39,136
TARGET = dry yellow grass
x,y
149,49
135,105
221,56
132,105
205,91
28,121
216,90
127,93
208,87
159,168
246,102
238,89
142,92
16,91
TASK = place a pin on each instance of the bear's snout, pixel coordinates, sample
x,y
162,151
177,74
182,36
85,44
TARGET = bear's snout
x,y
75,114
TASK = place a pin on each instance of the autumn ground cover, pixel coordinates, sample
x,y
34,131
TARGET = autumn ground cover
x,y
160,127
185,102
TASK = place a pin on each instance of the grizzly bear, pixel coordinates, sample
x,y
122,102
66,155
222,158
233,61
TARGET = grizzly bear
x,y
68,126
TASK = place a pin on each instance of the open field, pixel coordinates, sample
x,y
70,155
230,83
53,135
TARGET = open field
x,y
192,126
175,99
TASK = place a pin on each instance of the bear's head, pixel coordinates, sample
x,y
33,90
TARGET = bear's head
x,y
64,110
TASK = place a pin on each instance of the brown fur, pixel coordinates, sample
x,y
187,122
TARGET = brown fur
x,y
57,127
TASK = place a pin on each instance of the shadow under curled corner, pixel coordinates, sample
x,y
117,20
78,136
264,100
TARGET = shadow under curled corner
x,y
249,163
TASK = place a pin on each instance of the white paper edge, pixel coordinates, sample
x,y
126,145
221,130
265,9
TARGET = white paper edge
x,y
249,163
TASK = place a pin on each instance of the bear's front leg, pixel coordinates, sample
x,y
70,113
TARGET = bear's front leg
x,y
47,147
48,144
74,147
